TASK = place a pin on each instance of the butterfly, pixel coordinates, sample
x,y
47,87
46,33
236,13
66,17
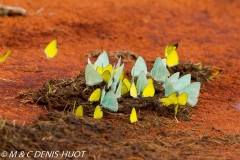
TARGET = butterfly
x,y
119,90
173,84
139,66
118,73
149,90
106,73
79,111
51,49
109,101
119,62
176,100
214,75
102,60
200,67
95,96
142,81
98,113
4,57
183,85
125,86
133,116
133,90
49,87
171,55
92,77
159,71
144,87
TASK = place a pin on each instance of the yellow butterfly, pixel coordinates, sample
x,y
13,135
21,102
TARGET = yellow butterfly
x,y
95,96
175,100
107,73
4,57
49,88
200,67
125,86
214,75
149,90
133,116
79,111
98,113
51,49
171,55
133,90
99,70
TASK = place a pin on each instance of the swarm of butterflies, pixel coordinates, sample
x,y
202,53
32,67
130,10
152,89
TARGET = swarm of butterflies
x,y
178,91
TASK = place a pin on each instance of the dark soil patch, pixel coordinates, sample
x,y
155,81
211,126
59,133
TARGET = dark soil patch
x,y
111,136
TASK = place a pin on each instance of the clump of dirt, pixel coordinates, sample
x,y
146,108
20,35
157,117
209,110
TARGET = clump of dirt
x,y
67,93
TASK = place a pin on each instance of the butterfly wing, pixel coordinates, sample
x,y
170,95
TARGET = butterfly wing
x,y
102,60
95,96
192,90
102,94
92,77
119,73
79,111
119,62
159,72
106,76
98,113
139,66
149,90
119,90
182,82
51,49
168,87
4,57
171,99
133,90
142,81
182,98
133,116
110,101
124,89
171,55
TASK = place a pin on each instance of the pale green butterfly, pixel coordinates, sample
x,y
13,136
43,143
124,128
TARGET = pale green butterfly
x,y
164,61
141,82
119,89
114,86
119,62
102,94
92,77
169,89
159,71
173,78
118,73
102,60
182,82
171,85
139,66
89,61
110,101
193,93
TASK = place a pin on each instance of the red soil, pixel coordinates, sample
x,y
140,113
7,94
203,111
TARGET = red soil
x,y
204,29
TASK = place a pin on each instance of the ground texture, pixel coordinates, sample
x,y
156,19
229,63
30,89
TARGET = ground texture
x,y
206,30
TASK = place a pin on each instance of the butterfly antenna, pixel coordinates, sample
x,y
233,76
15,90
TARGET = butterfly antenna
x,y
176,45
